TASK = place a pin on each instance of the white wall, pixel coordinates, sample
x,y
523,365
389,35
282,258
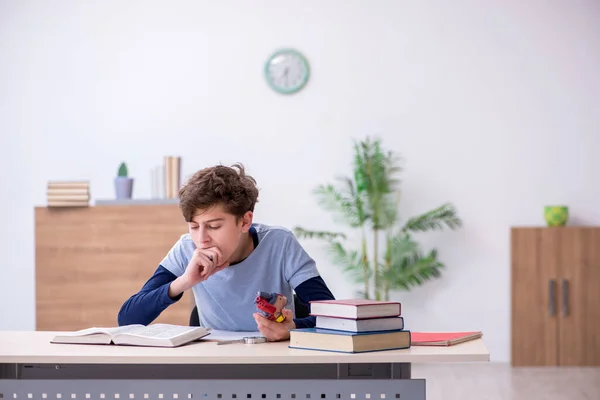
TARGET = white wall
x,y
494,106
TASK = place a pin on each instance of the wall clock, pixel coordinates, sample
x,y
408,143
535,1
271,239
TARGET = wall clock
x,y
287,71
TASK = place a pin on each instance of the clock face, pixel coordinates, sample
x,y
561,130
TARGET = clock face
x,y
287,71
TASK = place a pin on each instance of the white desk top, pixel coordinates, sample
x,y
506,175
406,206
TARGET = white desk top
x,y
35,347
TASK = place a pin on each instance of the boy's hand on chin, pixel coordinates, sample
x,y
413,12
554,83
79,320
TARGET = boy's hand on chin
x,y
275,331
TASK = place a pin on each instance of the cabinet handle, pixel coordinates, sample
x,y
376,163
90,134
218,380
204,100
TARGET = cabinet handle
x,y
565,297
551,294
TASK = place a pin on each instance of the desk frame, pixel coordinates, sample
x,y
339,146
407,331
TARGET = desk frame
x,y
206,371
209,381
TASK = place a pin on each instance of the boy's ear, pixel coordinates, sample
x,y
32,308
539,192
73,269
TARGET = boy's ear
x,y
247,221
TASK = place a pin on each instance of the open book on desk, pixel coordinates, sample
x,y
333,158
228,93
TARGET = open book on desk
x,y
154,335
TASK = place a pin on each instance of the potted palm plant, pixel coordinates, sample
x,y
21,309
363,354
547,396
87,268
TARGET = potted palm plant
x,y
123,183
367,202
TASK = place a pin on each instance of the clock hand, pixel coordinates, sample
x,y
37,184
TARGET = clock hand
x,y
285,74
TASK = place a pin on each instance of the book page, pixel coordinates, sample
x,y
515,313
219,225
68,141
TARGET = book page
x,y
161,331
108,331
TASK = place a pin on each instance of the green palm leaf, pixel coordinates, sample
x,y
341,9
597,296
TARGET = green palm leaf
x,y
349,260
402,247
375,173
415,271
357,200
445,215
344,201
302,233
389,211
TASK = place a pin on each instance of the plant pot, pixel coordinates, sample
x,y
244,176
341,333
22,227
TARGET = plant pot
x,y
123,187
556,215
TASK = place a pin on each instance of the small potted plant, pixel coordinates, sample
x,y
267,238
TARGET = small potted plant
x,y
123,183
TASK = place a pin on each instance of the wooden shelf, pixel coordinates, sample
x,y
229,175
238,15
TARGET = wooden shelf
x,y
89,260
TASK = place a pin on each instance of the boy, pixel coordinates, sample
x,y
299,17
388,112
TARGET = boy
x,y
226,259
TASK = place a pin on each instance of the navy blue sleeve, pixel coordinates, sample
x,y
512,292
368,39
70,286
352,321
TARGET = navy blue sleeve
x,y
147,304
311,289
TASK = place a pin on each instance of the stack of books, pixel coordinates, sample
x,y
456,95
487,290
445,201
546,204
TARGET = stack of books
x,y
353,326
68,194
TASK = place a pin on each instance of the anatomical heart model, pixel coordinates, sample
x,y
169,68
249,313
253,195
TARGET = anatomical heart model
x,y
271,305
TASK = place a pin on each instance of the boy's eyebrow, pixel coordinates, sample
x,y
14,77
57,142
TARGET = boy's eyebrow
x,y
214,220
210,220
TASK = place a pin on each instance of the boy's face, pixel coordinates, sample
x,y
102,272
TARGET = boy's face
x,y
214,227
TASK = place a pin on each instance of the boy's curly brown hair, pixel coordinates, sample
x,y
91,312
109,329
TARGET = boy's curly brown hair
x,y
229,186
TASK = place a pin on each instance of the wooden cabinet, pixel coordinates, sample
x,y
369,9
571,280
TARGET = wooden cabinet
x,y
555,302
89,260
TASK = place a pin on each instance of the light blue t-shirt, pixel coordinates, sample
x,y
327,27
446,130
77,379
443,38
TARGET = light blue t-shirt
x,y
226,299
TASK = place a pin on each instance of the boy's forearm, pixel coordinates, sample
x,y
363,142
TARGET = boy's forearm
x,y
178,286
144,307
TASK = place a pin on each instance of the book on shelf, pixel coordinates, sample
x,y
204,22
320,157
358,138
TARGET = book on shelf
x,y
360,325
172,172
68,197
57,203
355,308
443,338
55,184
154,335
348,342
68,193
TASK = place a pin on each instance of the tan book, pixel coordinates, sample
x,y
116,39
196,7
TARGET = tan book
x,y
172,171
68,184
348,342
175,176
78,203
154,335
168,177
67,191
72,197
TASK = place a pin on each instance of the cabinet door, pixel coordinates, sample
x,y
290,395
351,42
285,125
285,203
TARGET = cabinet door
x,y
534,273
579,305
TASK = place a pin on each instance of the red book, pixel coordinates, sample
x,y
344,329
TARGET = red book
x,y
355,308
442,338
